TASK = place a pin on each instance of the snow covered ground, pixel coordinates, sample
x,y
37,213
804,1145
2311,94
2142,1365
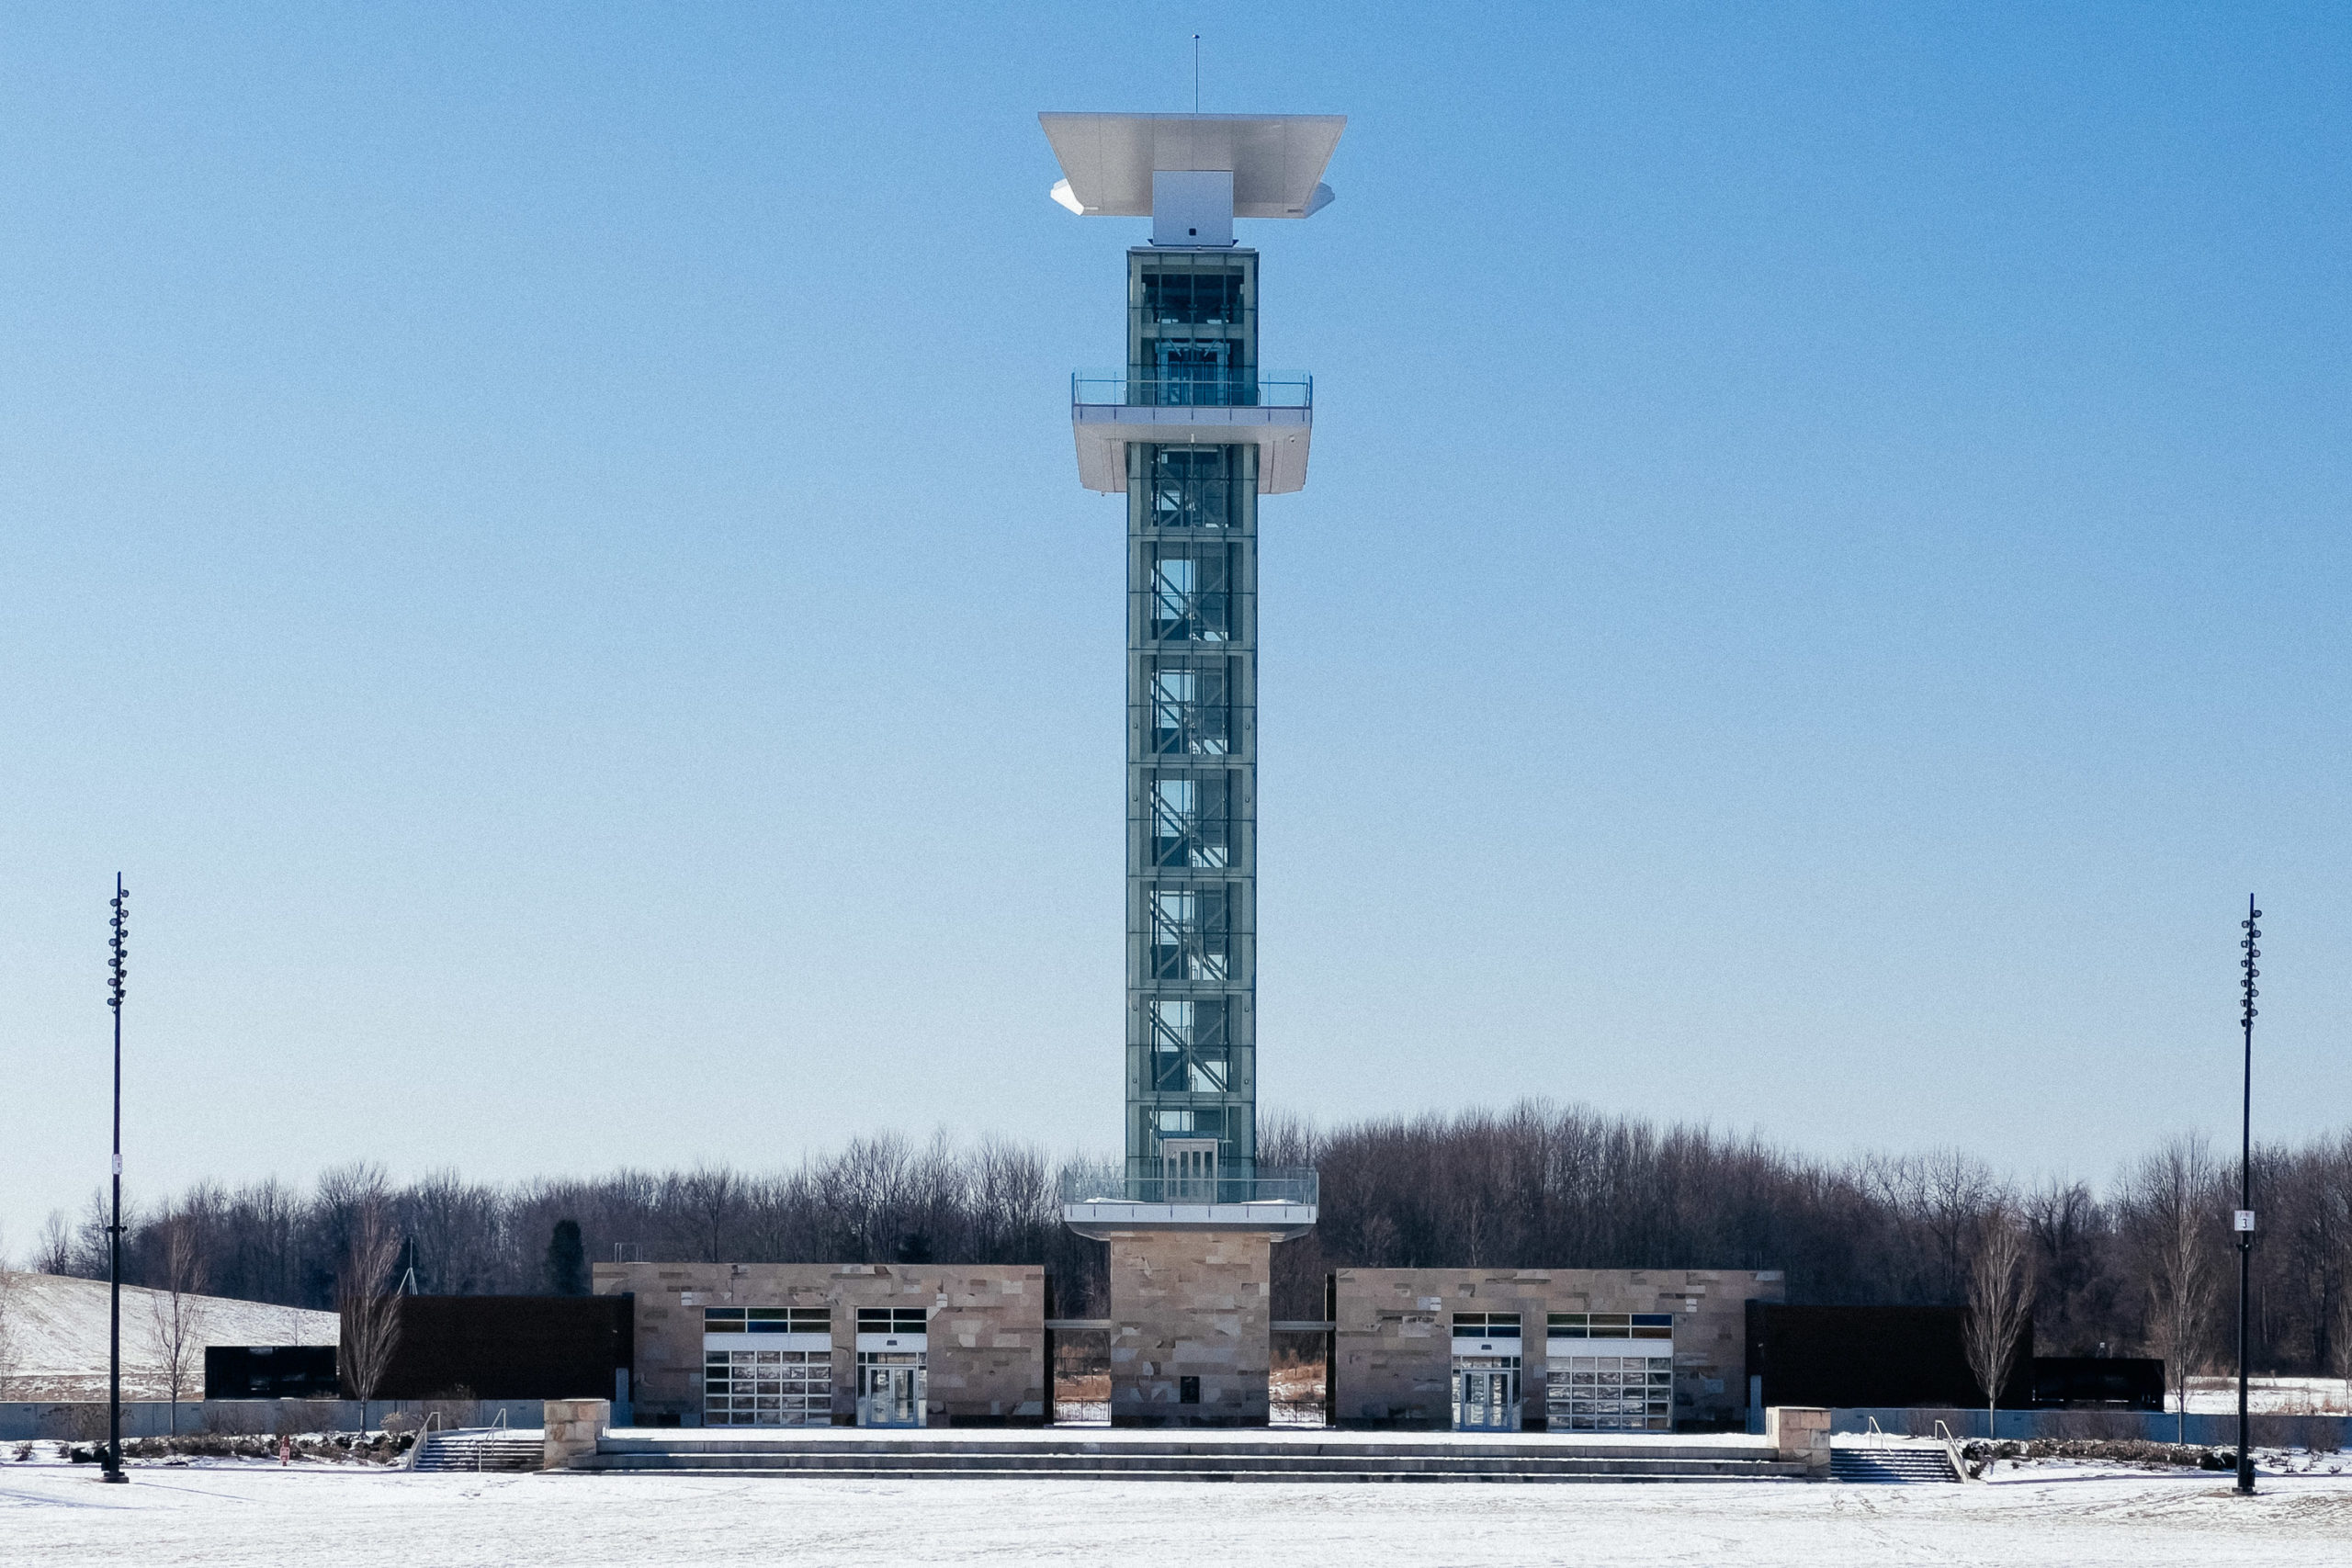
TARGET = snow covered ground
x,y
56,1333
2281,1396
2081,1517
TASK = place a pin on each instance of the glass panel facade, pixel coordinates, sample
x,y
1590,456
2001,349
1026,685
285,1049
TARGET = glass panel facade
x,y
1191,705
1192,684
1193,327
1189,1051
1192,933
1192,298
1191,593
1610,1393
1193,487
1192,819
767,1388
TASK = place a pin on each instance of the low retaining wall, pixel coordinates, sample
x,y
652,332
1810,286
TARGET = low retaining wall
x,y
2320,1432
85,1421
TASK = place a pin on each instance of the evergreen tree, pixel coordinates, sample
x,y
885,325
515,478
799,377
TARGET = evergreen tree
x,y
567,1261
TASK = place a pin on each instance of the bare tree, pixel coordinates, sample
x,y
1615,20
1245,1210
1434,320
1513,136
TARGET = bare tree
x,y
2000,1306
370,1313
178,1309
2343,1338
2173,1219
54,1253
7,1329
711,1194
2074,1291
1548,1186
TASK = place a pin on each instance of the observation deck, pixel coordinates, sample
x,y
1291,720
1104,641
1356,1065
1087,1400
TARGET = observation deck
x,y
1273,412
1098,1201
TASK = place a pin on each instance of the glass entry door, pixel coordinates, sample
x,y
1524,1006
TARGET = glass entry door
x,y
891,1389
1485,1394
1188,1171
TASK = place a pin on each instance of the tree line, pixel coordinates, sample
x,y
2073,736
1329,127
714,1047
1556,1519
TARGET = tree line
x,y
2140,1265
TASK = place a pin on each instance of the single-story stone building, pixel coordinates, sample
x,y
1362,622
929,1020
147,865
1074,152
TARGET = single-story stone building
x,y
1536,1349
840,1344
1189,1342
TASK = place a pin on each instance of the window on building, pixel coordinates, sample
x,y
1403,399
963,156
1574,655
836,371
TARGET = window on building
x,y
892,1320
1193,1122
767,1320
1192,298
1610,1325
1192,819
1486,1326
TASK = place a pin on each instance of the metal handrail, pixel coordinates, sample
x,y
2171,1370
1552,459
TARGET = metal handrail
x,y
1212,388
1266,1185
497,1424
1951,1446
1876,1436
424,1431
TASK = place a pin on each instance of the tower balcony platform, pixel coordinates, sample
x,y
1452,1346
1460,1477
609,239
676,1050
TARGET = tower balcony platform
x,y
1273,412
1278,1201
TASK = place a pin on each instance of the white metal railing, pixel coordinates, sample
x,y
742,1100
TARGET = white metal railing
x,y
497,1425
423,1432
1951,1446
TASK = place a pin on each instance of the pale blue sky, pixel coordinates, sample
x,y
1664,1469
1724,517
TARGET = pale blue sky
x,y
546,546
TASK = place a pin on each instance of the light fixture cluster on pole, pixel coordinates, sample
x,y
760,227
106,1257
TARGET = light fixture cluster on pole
x,y
2244,1219
112,1470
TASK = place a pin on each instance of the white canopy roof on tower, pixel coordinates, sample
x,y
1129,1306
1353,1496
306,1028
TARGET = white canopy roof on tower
x,y
1276,160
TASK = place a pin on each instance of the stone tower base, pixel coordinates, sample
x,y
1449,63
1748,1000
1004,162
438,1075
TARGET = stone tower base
x,y
1191,1315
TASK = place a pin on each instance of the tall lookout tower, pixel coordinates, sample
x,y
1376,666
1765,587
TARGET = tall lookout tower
x,y
1192,432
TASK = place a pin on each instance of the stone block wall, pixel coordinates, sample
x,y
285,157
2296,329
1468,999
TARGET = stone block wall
x,y
1190,1304
571,1427
986,1361
1395,1346
1801,1433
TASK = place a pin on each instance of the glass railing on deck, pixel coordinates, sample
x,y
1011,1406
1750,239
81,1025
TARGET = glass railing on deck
x,y
1110,1184
1200,388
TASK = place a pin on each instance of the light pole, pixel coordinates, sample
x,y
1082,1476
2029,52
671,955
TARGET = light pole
x,y
2244,1219
113,1468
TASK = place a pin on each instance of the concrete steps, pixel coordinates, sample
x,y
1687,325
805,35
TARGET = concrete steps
x,y
1192,1458
480,1449
1891,1466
